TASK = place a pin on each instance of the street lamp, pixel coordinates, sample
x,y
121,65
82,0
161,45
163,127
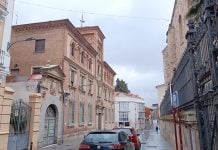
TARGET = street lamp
x,y
11,44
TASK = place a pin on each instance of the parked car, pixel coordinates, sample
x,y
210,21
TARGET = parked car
x,y
132,135
106,140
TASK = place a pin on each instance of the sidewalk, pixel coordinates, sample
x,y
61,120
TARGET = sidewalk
x,y
152,140
70,143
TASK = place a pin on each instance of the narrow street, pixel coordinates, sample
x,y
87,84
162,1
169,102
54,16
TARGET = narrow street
x,y
152,140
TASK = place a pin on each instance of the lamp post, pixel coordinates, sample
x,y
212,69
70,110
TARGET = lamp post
x,y
11,44
3,54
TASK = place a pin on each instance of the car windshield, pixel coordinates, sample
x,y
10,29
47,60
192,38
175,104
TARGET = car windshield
x,y
126,130
108,137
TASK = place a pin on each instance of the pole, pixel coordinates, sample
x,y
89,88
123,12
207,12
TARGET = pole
x,y
174,120
180,132
174,116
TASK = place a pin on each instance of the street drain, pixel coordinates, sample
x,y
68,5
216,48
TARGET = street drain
x,y
152,146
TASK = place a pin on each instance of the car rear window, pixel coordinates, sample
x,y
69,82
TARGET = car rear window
x,y
126,130
109,137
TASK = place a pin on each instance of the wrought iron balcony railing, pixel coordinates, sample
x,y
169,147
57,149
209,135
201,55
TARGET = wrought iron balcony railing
x,y
2,57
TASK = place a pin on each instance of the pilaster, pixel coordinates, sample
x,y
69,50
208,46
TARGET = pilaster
x,y
35,103
6,97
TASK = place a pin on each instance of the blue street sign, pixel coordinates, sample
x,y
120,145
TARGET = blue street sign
x,y
175,99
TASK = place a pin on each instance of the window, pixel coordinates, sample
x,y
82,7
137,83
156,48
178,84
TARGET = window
x,y
141,115
109,114
72,77
99,91
90,113
82,57
105,115
72,48
123,106
81,117
123,116
71,113
15,71
90,86
99,69
40,46
109,97
90,64
113,115
105,93
82,82
36,70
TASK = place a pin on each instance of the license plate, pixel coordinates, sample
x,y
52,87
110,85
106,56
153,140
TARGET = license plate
x,y
98,147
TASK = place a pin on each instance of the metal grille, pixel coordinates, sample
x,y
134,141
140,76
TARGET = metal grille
x,y
196,78
19,126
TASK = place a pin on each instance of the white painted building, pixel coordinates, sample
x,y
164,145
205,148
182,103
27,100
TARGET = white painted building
x,y
129,110
6,18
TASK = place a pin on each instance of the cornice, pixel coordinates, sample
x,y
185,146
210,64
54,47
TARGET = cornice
x,y
108,85
106,65
39,26
64,23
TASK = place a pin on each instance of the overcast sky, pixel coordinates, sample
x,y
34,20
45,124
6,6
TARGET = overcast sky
x,y
135,32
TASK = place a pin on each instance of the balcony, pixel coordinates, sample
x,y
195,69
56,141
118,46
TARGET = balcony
x,y
100,103
3,9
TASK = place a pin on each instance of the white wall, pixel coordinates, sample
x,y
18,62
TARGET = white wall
x,y
7,21
7,32
133,110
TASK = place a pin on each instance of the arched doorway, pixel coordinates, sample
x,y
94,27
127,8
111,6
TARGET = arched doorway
x,y
50,126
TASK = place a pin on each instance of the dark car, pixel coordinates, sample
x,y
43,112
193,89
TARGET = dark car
x,y
132,135
106,140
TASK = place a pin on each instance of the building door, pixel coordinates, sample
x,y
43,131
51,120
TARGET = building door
x,y
50,126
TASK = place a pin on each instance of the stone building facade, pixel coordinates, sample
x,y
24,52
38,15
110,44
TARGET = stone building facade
x,y
108,96
172,54
176,42
79,53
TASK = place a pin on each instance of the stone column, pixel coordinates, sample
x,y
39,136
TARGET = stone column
x,y
6,97
35,103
